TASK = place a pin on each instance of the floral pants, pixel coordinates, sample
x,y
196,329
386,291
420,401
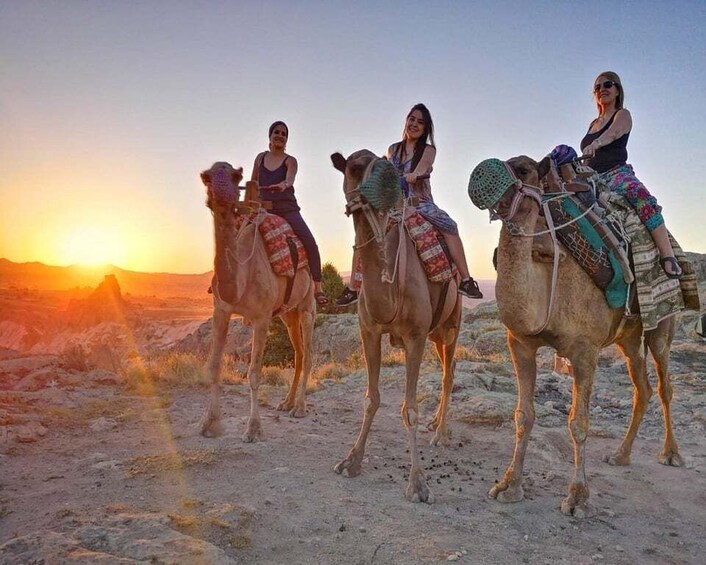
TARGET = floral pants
x,y
622,180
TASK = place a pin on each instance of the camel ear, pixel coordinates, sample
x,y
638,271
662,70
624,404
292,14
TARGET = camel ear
x,y
339,162
237,176
206,177
543,167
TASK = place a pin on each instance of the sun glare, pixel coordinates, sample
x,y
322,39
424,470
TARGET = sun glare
x,y
94,246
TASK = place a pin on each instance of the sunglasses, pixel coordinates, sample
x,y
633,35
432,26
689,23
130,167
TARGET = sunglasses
x,y
604,85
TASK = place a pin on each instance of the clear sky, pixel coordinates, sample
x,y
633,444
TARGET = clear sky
x,y
109,110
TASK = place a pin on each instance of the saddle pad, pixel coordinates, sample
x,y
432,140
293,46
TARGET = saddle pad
x,y
431,253
658,296
590,251
275,232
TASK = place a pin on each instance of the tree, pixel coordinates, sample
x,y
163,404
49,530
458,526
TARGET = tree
x,y
332,284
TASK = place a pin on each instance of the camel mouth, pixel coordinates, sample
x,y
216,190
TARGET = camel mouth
x,y
381,188
489,181
221,182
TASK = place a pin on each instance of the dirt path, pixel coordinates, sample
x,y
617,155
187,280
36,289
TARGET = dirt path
x,y
134,482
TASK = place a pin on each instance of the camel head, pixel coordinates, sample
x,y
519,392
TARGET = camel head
x,y
368,180
494,184
221,182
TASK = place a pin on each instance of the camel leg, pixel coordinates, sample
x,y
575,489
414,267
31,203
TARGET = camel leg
x,y
289,404
371,345
439,423
509,489
417,488
305,330
212,426
259,336
659,345
634,352
584,364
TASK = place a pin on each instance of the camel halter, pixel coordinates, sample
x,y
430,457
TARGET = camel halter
x,y
356,202
525,190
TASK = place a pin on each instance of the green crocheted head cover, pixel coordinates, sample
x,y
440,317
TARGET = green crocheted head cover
x,y
382,188
488,182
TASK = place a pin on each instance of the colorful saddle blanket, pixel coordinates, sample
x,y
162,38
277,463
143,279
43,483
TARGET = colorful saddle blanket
x,y
430,248
658,296
584,242
277,235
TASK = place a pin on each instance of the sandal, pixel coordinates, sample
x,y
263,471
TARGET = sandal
x,y
675,268
320,298
469,288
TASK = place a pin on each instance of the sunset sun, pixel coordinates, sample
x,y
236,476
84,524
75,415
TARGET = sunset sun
x,y
94,246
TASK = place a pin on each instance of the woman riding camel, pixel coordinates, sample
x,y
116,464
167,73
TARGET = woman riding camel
x,y
413,157
274,172
606,145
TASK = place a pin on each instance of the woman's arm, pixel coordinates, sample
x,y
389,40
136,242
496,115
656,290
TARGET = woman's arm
x,y
621,125
424,166
292,168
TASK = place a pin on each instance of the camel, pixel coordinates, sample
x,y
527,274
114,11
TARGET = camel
x,y
245,284
403,307
580,325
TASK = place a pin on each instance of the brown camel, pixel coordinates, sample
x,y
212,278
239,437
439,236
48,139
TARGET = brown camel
x,y
404,308
245,284
581,324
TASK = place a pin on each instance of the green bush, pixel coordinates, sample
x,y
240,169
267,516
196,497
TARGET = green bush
x,y
332,284
278,349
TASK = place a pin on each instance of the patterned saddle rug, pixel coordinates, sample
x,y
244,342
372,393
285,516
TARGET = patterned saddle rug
x,y
281,243
430,247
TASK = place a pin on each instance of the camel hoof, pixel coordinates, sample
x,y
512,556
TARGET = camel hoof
x,y
580,510
211,428
671,459
418,491
285,406
617,459
348,467
440,438
253,433
298,412
502,492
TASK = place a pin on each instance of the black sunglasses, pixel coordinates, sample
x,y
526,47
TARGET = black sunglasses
x,y
604,85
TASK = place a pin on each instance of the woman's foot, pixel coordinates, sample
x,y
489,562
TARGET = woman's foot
x,y
320,298
469,288
671,267
348,297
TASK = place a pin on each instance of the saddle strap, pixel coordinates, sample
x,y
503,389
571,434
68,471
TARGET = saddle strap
x,y
447,301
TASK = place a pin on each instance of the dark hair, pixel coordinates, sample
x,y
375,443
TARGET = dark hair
x,y
275,124
620,102
426,138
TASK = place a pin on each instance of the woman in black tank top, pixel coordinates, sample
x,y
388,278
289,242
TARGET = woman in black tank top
x,y
606,144
274,172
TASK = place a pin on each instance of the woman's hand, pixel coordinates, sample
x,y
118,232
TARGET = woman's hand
x,y
411,178
591,148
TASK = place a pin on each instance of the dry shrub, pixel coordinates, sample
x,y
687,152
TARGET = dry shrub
x,y
393,357
274,376
330,371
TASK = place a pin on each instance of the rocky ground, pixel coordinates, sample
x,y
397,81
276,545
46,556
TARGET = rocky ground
x,y
96,471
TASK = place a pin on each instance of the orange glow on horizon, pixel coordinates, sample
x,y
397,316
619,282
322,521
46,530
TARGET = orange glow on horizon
x,y
91,246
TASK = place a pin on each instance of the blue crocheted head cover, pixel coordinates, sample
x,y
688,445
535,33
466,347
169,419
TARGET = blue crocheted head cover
x,y
382,188
562,154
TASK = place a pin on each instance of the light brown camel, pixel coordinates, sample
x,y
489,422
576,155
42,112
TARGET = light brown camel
x,y
580,326
404,309
245,284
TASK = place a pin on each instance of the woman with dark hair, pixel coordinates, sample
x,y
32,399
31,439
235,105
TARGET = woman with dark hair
x,y
274,172
413,157
606,144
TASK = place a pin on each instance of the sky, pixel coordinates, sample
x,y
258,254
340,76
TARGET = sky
x,y
109,110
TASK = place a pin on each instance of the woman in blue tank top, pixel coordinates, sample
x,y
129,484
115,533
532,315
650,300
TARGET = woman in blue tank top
x,y
274,172
606,144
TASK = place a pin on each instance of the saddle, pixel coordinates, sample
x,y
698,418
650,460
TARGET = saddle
x,y
285,250
597,245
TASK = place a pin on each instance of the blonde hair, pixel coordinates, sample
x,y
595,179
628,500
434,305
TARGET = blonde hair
x,y
620,101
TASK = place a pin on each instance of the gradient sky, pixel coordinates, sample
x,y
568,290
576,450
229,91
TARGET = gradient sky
x,y
110,109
